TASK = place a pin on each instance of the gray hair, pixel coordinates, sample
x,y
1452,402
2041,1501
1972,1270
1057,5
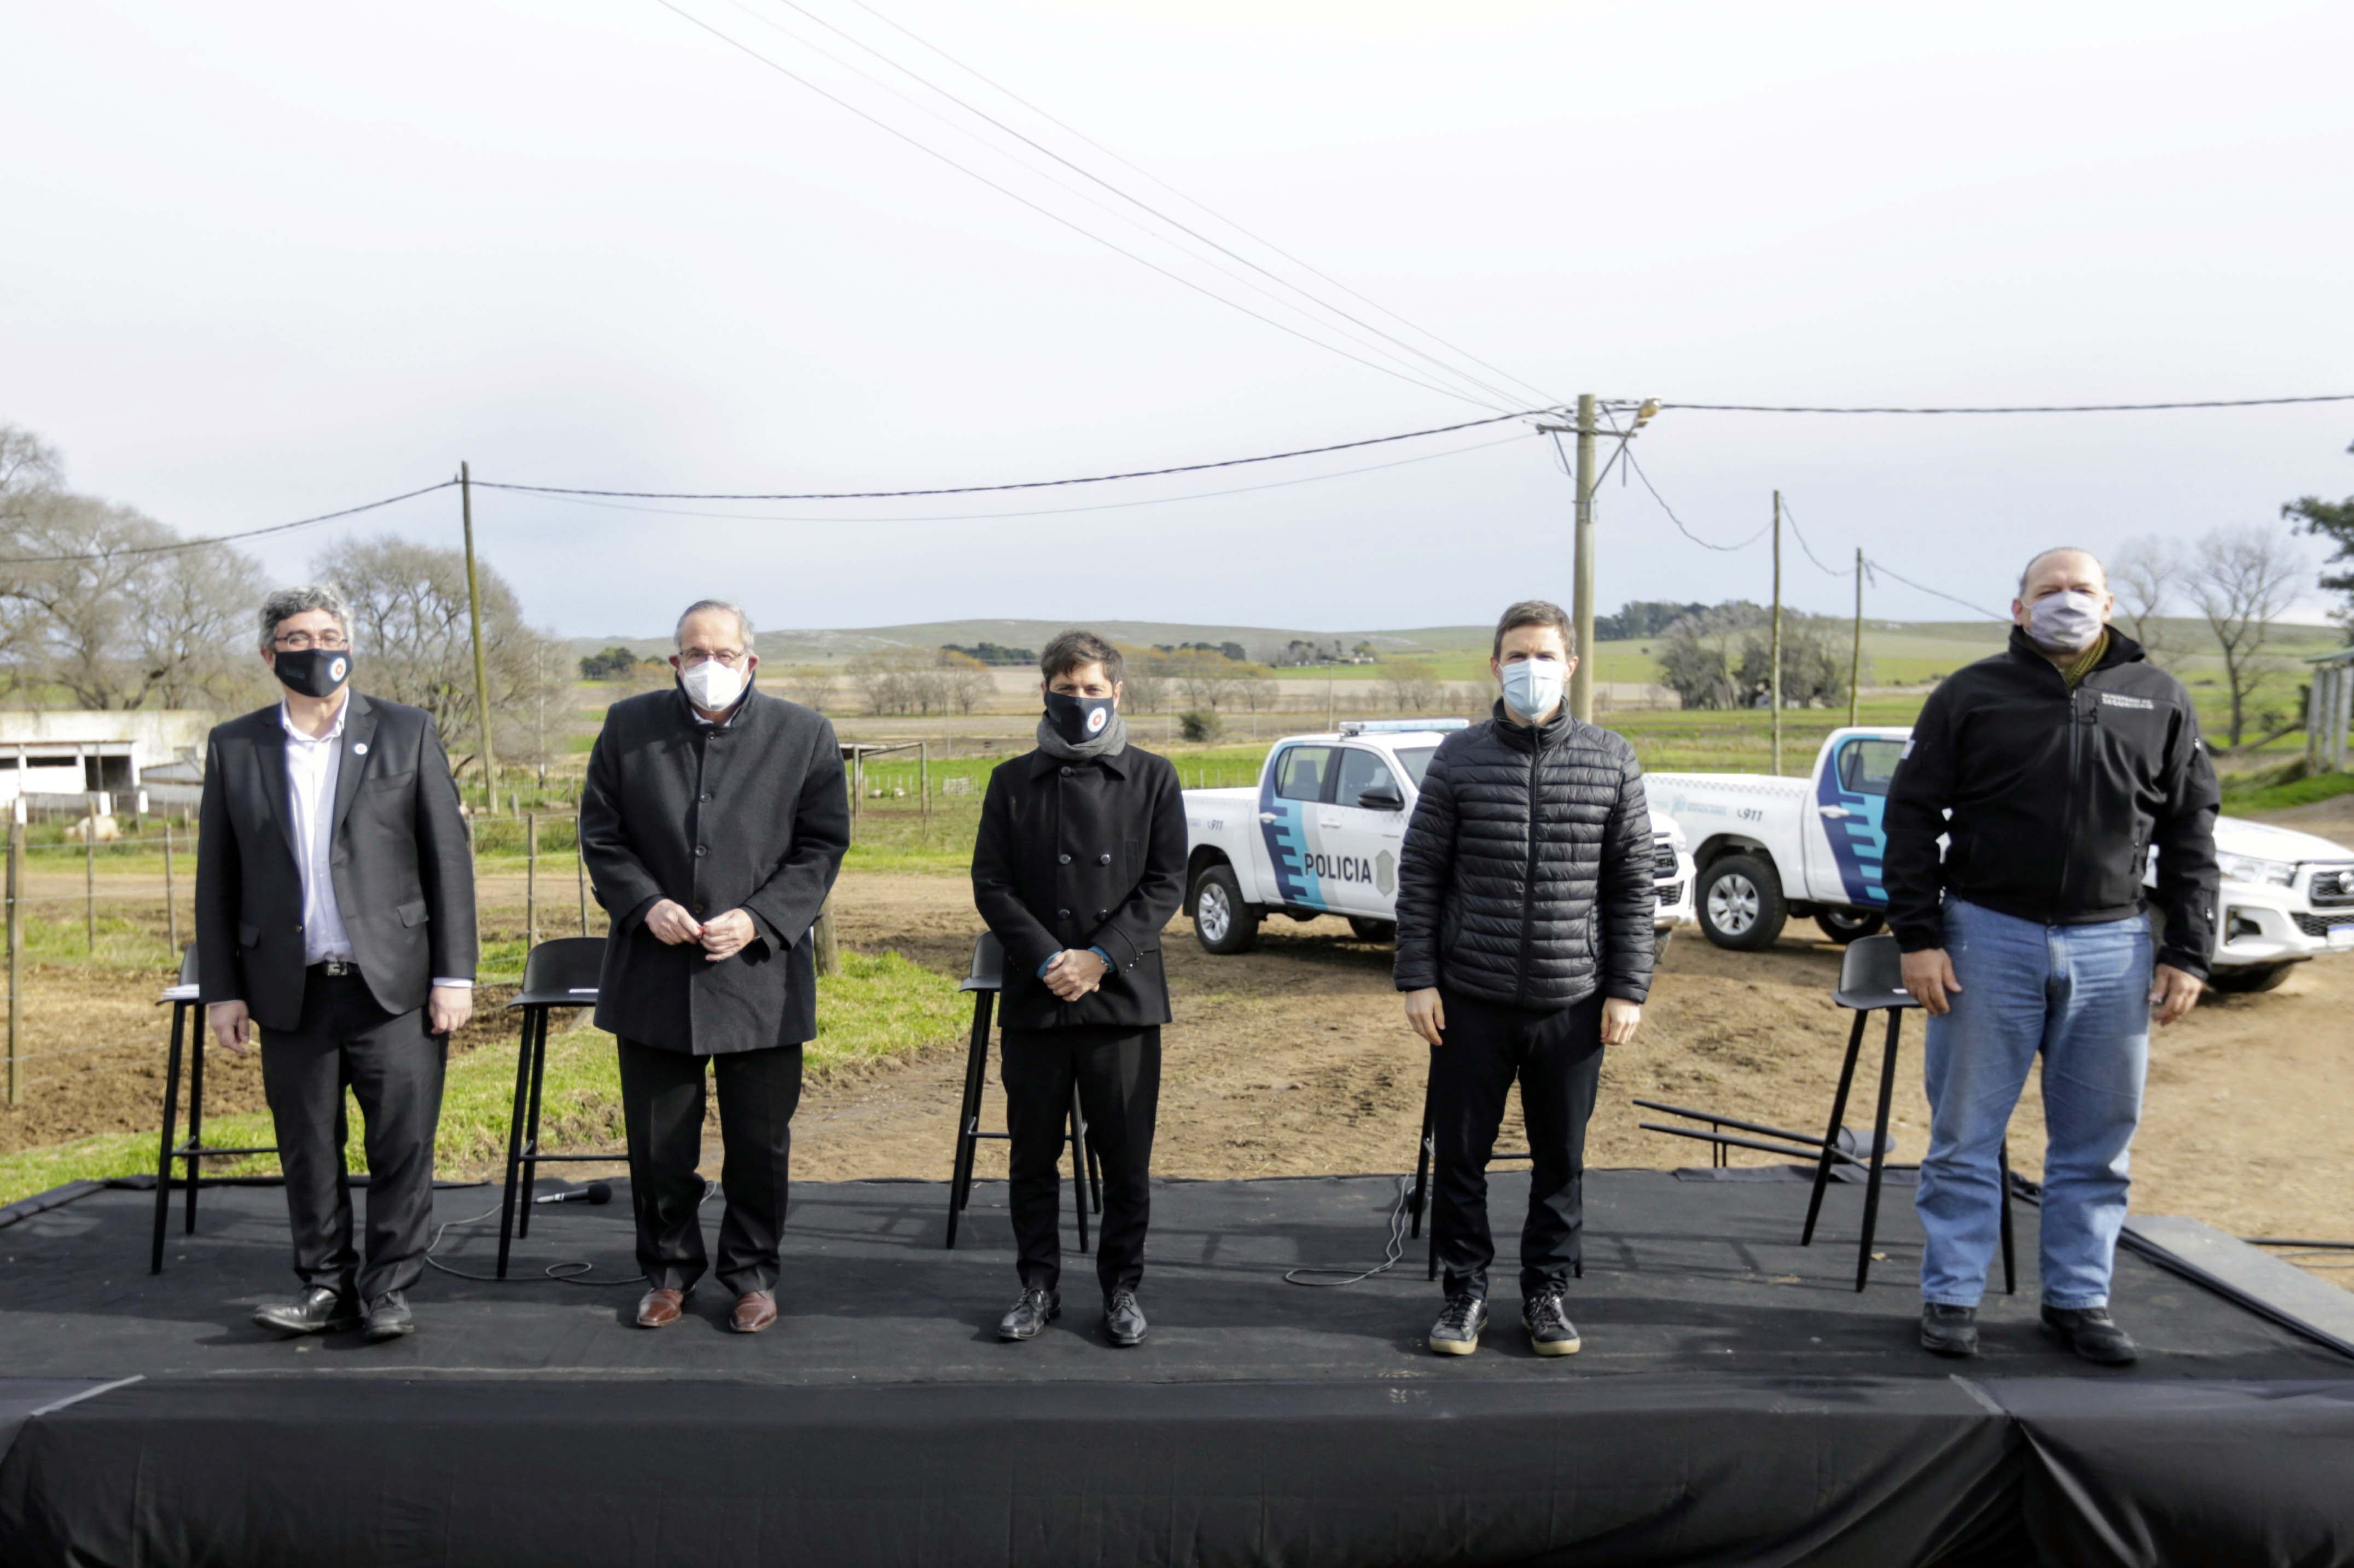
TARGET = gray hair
x,y
291,601
2042,555
743,620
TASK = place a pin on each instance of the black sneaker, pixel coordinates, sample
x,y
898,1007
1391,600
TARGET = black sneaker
x,y
388,1317
1456,1332
1030,1315
321,1312
2093,1334
1949,1330
1124,1319
1551,1333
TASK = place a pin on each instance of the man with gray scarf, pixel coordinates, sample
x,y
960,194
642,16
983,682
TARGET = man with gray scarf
x,y
1080,863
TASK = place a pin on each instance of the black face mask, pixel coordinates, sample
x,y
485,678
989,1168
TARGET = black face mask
x,y
314,672
1077,719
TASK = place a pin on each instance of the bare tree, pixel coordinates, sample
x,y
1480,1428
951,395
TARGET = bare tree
x,y
29,467
2242,581
812,685
2146,573
1414,686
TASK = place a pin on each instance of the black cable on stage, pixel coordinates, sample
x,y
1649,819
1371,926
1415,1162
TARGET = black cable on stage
x,y
223,539
1391,1254
574,1273
2021,409
986,489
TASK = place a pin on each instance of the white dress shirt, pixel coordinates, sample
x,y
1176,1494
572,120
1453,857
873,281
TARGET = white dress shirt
x,y
311,768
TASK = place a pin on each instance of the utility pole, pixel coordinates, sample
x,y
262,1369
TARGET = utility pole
x,y
1775,688
474,614
1581,604
1855,659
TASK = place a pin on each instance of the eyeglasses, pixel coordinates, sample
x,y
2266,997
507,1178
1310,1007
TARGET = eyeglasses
x,y
730,657
302,641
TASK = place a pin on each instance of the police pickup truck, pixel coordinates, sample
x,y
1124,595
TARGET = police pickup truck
x,y
1319,835
1769,848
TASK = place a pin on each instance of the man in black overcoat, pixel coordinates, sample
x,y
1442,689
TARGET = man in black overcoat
x,y
713,824
335,910
1080,863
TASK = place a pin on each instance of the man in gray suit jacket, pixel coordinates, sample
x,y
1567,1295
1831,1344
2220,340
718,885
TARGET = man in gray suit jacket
x,y
713,824
335,909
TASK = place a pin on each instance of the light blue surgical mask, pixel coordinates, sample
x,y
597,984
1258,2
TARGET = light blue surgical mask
x,y
2068,620
1533,687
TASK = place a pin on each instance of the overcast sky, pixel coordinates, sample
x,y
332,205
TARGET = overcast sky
x,y
263,261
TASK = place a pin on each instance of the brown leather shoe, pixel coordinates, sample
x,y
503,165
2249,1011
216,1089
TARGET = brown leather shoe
x,y
755,1310
661,1309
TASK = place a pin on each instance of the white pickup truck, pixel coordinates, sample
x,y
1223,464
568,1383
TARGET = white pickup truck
x,y
1319,835
1771,848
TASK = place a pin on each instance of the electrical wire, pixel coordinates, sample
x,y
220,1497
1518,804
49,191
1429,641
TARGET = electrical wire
x,y
1487,387
1392,1255
575,1272
1704,543
989,489
2019,408
223,538
1882,567
1792,518
836,98
1045,512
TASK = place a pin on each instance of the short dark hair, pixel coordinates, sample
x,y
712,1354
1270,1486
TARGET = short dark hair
x,y
1536,612
1073,649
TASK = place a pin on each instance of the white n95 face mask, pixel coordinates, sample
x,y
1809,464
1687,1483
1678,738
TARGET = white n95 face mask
x,y
1533,686
2069,619
711,685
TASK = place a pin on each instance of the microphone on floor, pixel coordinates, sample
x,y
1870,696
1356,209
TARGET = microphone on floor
x,y
593,1192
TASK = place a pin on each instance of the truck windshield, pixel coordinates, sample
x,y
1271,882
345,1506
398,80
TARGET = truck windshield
x,y
1416,760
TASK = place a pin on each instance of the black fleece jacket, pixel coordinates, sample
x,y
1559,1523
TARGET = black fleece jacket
x,y
2057,798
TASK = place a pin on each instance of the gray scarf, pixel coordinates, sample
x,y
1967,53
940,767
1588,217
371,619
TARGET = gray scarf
x,y
1111,742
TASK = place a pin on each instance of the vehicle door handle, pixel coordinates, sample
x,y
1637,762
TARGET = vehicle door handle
x,y
1267,819
1835,811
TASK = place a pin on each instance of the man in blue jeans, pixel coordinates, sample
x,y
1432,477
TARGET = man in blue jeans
x,y
2064,762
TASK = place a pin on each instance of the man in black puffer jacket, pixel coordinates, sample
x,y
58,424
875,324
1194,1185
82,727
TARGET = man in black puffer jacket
x,y
1524,909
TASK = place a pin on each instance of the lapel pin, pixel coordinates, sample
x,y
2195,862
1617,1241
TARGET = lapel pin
x,y
359,749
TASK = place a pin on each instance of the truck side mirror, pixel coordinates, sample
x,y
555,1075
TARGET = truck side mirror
x,y
1382,800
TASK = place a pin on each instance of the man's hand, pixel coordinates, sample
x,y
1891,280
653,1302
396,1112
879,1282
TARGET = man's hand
x,y
2174,992
1929,976
1425,1015
1074,972
1620,1019
725,936
671,924
232,1025
448,1008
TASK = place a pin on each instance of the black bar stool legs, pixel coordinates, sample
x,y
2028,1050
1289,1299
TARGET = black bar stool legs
x,y
187,1047
969,1133
1830,1134
164,1155
563,971
985,980
1879,1150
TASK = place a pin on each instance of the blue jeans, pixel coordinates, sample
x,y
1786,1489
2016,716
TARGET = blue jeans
x,y
2080,994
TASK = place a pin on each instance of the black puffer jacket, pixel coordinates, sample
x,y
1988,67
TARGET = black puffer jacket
x,y
1526,876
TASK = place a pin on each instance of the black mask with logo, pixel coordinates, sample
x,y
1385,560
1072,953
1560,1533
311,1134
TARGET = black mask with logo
x,y
314,672
1074,719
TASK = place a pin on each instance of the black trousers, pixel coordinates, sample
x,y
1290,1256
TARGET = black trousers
x,y
663,1106
1118,1070
393,1067
1557,1057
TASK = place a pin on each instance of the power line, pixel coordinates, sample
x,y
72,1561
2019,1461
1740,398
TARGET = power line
x,y
1180,225
930,151
1809,549
1195,202
1679,522
223,539
1045,512
987,488
2021,409
1882,567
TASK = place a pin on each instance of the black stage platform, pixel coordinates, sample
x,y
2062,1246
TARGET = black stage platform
x,y
1736,1403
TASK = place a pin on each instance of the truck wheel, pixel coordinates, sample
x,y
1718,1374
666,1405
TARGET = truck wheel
x,y
2255,978
1222,921
1741,904
1850,924
1372,930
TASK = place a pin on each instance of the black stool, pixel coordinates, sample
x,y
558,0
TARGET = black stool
x,y
1422,1156
183,998
562,972
1871,979
985,980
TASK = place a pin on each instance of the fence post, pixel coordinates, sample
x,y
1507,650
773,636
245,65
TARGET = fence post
x,y
824,946
16,947
924,776
530,881
89,867
171,893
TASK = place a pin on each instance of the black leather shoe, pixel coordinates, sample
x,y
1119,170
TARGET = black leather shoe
x,y
321,1312
1032,1313
1457,1330
1949,1330
1551,1333
1124,1319
2093,1334
388,1317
